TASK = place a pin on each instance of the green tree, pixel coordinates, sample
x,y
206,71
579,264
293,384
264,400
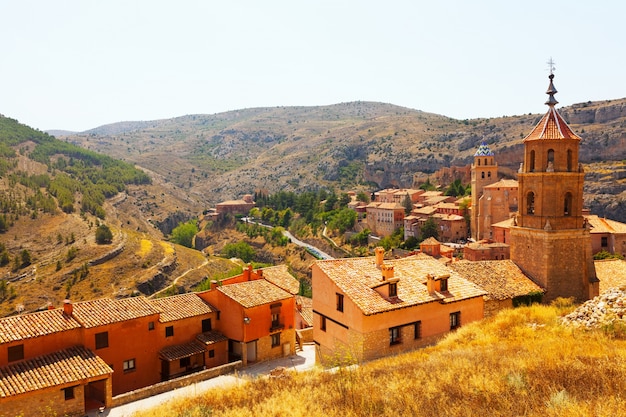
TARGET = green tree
x,y
407,204
183,233
362,196
456,189
343,220
25,257
240,250
103,234
429,229
427,186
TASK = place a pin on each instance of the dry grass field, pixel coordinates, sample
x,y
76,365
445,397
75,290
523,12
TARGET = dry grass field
x,y
520,363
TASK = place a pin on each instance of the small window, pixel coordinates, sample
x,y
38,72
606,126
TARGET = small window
x,y
169,331
68,393
530,203
218,314
489,174
393,290
605,241
417,330
206,325
151,325
394,336
212,353
275,340
323,323
339,302
482,174
185,362
275,320
455,320
102,340
129,365
16,353
444,285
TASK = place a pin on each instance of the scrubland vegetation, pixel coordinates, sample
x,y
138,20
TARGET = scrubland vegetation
x,y
520,363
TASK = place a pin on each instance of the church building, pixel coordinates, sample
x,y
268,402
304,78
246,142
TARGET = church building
x,y
550,238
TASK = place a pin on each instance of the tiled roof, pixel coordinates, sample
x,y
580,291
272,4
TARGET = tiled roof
x,y
505,223
254,293
208,338
430,241
306,312
551,126
106,311
504,184
75,365
279,275
601,225
181,306
27,326
483,150
356,277
501,279
611,273
176,352
485,245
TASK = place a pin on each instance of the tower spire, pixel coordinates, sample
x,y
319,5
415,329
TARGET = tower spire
x,y
551,89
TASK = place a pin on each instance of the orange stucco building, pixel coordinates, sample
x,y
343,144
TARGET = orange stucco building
x,y
365,308
81,356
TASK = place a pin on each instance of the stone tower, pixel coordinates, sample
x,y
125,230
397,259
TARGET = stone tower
x,y
550,240
484,172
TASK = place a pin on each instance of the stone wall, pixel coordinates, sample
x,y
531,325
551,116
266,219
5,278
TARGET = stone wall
x,y
492,307
174,383
44,403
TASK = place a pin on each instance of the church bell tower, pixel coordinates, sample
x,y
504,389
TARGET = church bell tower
x,y
550,240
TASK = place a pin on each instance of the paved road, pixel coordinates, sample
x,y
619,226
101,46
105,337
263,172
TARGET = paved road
x,y
316,251
301,361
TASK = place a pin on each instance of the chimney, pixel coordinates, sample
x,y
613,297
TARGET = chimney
x,y
380,255
68,308
430,284
387,271
214,284
247,273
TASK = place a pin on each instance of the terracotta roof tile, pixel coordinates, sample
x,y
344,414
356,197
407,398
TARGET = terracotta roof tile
x,y
31,325
611,273
504,183
65,367
279,275
176,352
181,306
356,277
602,225
254,293
307,309
501,279
208,338
551,126
106,311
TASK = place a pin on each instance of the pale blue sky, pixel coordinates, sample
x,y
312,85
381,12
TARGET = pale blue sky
x,y
77,64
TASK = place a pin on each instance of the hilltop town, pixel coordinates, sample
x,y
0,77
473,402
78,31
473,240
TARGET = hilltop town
x,y
509,242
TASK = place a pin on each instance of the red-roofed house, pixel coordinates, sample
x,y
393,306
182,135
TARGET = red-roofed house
x,y
365,308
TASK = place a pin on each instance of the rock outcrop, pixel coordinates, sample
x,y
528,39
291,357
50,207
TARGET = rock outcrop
x,y
603,310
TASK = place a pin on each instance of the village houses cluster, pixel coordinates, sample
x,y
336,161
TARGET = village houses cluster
x,y
531,240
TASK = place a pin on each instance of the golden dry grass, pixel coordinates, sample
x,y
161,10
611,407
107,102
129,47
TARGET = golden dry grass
x,y
519,363
145,246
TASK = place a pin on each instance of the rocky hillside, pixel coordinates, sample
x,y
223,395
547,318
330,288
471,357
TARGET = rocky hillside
x,y
608,309
359,145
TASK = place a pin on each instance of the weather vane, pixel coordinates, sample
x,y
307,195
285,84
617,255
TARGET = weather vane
x,y
551,65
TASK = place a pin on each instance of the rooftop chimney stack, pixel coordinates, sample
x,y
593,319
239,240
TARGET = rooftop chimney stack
x,y
380,255
387,272
68,308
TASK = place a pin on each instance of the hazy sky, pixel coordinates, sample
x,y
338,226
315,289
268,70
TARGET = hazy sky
x,y
77,64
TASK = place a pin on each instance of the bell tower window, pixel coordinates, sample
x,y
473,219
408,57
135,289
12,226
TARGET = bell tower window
x,y
567,209
569,160
532,161
530,203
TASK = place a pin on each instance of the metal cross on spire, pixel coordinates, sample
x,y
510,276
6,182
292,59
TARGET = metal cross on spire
x,y
551,65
